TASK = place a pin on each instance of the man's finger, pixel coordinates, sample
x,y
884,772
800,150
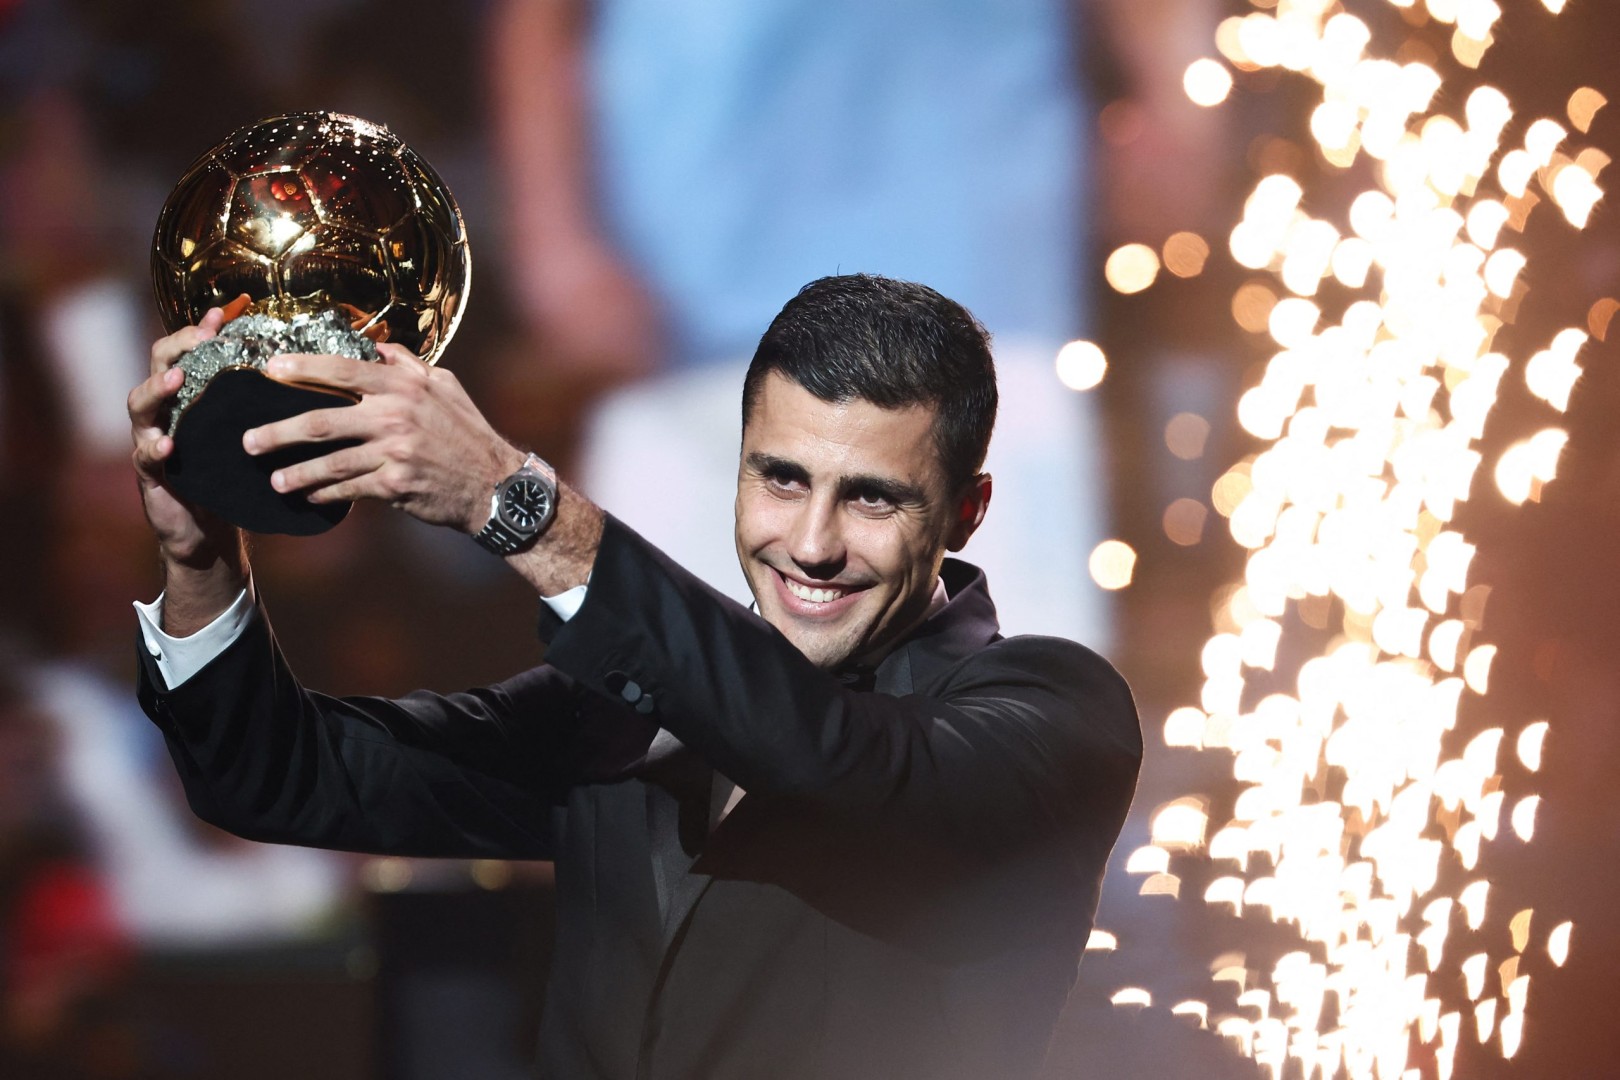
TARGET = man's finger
x,y
399,355
150,394
314,426
151,452
166,351
342,465
338,372
351,490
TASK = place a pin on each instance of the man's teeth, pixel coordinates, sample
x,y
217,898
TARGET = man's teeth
x,y
815,596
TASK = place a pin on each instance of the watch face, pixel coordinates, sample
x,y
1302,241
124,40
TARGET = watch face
x,y
525,504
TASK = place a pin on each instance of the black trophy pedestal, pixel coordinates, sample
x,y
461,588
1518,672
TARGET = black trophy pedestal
x,y
210,469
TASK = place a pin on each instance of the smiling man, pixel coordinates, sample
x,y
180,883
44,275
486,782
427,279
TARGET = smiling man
x,y
857,834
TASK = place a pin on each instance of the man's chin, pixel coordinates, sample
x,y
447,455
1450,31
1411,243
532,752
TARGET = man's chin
x,y
828,651
828,656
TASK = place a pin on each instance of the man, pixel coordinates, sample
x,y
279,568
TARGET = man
x,y
858,834
694,163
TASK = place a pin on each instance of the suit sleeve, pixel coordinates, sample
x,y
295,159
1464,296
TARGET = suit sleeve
x,y
480,774
1027,737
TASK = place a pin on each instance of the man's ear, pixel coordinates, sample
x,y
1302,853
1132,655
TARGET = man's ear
x,y
970,508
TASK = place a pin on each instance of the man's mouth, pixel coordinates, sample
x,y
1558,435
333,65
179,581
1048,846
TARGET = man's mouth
x,y
815,600
815,596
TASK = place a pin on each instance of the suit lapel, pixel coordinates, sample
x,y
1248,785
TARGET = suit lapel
x,y
688,888
894,674
680,792
684,795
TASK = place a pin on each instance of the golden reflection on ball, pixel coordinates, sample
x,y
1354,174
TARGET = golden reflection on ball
x,y
309,211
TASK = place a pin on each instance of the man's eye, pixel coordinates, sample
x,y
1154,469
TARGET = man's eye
x,y
873,501
784,483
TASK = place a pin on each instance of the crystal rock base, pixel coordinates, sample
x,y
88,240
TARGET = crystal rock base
x,y
250,341
226,392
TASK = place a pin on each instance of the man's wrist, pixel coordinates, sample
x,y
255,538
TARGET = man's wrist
x,y
214,540
225,546
505,461
198,588
563,557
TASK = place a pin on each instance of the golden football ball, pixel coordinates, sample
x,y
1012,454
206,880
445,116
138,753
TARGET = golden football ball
x,y
311,211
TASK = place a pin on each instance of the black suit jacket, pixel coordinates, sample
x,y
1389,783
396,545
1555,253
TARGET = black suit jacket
x,y
905,890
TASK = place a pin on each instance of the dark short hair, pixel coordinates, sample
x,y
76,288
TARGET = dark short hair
x,y
894,344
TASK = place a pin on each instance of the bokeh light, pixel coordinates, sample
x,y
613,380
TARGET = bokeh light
x,y
1131,268
1186,435
1185,254
1081,365
1112,564
1207,82
1184,521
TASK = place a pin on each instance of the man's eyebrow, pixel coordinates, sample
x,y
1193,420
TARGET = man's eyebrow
x,y
771,465
898,492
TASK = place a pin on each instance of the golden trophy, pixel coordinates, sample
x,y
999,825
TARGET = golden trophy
x,y
317,233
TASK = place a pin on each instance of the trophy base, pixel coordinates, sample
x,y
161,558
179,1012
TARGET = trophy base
x,y
209,467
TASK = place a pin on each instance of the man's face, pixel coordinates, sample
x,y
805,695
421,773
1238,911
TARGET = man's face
x,y
843,517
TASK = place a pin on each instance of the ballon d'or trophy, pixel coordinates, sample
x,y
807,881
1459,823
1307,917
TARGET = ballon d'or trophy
x,y
316,233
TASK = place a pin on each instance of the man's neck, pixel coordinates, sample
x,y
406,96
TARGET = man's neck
x,y
936,602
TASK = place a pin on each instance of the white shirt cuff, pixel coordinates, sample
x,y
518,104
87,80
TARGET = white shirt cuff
x,y
178,659
566,604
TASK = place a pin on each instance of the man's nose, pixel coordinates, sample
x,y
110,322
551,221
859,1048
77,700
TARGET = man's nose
x,y
817,542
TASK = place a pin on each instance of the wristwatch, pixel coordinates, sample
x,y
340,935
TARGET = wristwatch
x,y
521,508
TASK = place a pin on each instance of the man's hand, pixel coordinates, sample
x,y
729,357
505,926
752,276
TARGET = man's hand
x,y
204,561
423,445
186,534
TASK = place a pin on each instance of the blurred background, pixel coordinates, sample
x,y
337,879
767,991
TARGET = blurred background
x,y
644,184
